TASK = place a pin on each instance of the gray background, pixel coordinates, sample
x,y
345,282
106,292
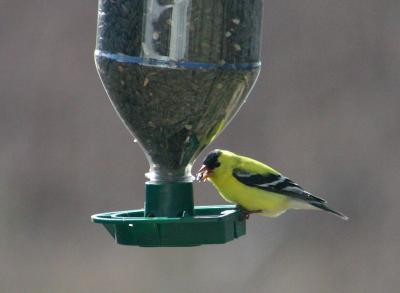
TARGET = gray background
x,y
325,111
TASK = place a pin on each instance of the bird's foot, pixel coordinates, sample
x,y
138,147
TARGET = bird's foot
x,y
246,213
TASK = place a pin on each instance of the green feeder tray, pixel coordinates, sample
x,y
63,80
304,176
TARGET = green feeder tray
x,y
170,219
210,225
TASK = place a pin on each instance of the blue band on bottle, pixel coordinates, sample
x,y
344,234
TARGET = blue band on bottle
x,y
175,64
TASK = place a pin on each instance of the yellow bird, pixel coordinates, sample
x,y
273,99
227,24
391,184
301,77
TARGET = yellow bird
x,y
256,187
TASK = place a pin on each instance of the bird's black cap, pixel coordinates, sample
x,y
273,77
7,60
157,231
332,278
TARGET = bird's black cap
x,y
211,161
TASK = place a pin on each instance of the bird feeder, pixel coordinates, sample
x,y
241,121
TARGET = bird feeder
x,y
176,72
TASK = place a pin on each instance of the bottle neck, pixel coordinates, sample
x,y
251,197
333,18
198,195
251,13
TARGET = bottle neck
x,y
159,175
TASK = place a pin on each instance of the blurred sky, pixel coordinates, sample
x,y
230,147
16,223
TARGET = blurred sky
x,y
325,111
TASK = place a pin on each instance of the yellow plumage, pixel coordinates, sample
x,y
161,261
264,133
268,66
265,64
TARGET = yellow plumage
x,y
255,186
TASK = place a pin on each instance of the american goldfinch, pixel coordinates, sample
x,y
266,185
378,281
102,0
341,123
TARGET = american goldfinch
x,y
256,187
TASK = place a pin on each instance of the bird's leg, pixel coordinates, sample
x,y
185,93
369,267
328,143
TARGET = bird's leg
x,y
246,213
255,212
243,213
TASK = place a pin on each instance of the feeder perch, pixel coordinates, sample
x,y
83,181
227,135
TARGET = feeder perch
x,y
176,72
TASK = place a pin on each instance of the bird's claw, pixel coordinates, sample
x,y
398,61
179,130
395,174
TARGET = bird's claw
x,y
246,213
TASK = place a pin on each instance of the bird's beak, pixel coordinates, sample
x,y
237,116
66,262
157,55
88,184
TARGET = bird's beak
x,y
203,173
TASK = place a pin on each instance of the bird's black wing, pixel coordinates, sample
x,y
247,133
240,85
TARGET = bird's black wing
x,y
275,183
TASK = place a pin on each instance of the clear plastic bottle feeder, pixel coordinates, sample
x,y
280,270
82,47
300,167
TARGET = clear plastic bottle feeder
x,y
176,71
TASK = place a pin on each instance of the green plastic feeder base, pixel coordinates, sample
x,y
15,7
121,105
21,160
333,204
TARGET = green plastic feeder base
x,y
209,225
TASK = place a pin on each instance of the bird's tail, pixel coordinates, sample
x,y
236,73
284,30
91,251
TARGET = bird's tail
x,y
322,205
